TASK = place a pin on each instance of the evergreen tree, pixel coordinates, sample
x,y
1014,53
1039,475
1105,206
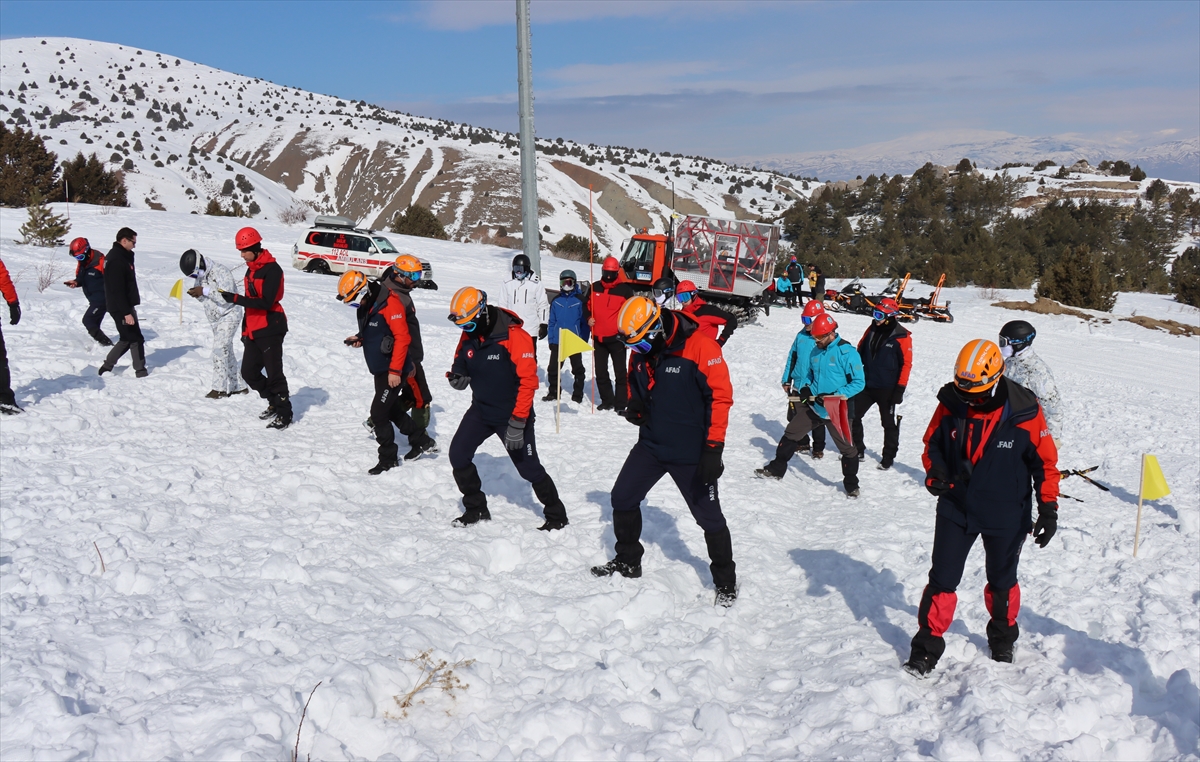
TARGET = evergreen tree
x,y
26,167
1137,175
1079,279
419,221
88,182
1185,276
573,247
44,227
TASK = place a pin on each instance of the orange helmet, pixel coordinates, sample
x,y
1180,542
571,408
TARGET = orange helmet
x,y
822,325
350,287
639,322
465,306
978,367
408,266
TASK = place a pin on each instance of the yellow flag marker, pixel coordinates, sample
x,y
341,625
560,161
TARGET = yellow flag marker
x,y
1153,487
569,344
177,293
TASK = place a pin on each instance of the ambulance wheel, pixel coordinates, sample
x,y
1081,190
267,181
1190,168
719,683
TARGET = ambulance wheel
x,y
319,266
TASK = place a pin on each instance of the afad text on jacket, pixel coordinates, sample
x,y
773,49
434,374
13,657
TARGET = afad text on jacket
x,y
686,392
502,368
998,461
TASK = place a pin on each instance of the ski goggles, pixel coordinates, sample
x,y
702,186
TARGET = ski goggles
x,y
520,273
881,316
684,297
974,397
1004,341
663,293
413,276
807,320
567,284
644,344
80,257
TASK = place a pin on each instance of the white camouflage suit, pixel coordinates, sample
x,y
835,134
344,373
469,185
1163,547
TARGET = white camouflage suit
x,y
226,323
1031,372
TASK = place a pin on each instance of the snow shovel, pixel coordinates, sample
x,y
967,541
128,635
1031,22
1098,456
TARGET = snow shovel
x,y
839,415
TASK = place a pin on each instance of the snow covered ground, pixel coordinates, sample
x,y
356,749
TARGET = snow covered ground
x,y
243,566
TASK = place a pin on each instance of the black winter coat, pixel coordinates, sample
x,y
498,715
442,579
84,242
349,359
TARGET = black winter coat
x,y
89,274
120,282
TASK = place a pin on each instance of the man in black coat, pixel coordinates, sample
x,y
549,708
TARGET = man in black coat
x,y
122,298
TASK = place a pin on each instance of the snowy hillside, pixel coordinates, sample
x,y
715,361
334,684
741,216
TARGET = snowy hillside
x,y
187,131
244,566
1176,160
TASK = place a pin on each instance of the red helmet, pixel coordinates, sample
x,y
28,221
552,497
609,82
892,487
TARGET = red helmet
x,y
887,306
685,292
610,265
812,309
823,325
247,237
79,247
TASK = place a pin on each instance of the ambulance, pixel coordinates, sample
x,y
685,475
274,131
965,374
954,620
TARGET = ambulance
x,y
336,244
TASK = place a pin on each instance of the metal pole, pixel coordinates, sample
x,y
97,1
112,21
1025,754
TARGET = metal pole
x,y
530,235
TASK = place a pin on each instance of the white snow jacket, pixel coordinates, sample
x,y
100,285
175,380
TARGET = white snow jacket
x,y
1031,372
527,298
216,279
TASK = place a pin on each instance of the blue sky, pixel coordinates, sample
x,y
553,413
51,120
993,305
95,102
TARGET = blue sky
x,y
714,78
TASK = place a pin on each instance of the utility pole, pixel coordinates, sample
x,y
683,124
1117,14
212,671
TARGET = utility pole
x,y
530,235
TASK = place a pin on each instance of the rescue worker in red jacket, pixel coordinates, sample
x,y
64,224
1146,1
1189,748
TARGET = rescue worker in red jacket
x,y
390,336
605,299
680,395
89,275
714,322
886,351
264,325
8,399
495,358
988,457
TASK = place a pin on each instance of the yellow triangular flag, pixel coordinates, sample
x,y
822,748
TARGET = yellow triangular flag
x,y
569,344
1154,484
177,290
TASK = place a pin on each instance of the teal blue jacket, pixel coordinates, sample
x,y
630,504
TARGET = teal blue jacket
x,y
797,359
836,369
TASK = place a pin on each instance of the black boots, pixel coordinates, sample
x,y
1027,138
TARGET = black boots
x,y
474,501
850,474
783,453
281,408
633,571
627,526
420,445
384,464
552,506
720,554
100,338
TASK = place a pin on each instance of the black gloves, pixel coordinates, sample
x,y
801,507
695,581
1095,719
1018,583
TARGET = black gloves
x,y
229,296
635,413
711,468
458,382
806,396
543,331
14,313
514,438
1046,525
898,394
937,482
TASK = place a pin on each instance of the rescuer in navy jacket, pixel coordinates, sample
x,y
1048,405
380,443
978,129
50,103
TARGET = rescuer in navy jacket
x,y
495,359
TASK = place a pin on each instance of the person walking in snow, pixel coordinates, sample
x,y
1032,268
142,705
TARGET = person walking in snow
x,y
714,322
89,275
795,278
834,368
8,399
525,296
794,369
121,297
495,358
568,310
886,352
605,299
986,460
390,337
264,326
1023,366
680,395
209,280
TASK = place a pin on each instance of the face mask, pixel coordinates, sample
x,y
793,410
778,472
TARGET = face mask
x,y
1006,351
607,276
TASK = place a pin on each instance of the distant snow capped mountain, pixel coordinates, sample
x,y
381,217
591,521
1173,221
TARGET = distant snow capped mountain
x,y
187,134
1179,160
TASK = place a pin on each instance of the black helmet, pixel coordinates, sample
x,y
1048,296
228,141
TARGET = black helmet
x,y
1017,333
663,289
190,262
520,267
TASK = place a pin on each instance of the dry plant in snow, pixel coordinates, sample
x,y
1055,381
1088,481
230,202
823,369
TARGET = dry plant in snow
x,y
439,675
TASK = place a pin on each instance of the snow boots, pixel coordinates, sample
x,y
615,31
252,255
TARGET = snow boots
x,y
420,446
474,501
783,453
279,406
100,338
552,506
384,464
627,526
720,554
